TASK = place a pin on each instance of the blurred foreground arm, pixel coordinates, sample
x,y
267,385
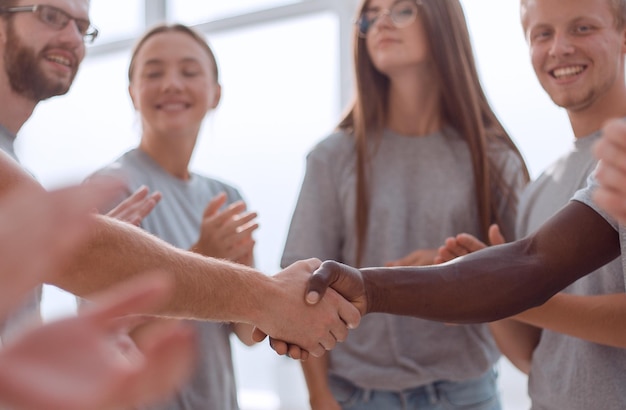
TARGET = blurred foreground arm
x,y
40,231
203,288
75,364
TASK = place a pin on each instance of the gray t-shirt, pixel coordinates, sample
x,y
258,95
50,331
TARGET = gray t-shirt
x,y
584,196
177,219
28,312
568,372
422,191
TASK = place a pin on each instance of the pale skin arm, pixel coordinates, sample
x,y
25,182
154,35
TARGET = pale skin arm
x,y
597,319
316,375
75,364
212,289
227,234
204,288
43,368
517,341
611,170
224,234
30,222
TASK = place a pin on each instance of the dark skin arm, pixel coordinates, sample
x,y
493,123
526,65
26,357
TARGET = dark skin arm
x,y
484,286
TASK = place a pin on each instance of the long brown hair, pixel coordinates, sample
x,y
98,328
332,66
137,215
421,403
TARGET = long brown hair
x,y
464,107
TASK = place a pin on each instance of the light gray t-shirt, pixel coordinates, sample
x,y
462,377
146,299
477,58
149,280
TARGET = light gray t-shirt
x,y
568,372
584,196
177,219
422,191
28,312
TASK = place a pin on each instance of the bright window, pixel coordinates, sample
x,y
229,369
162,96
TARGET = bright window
x,y
196,11
117,19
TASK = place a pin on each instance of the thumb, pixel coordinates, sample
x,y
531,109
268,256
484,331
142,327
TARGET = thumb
x,y
258,335
325,276
495,236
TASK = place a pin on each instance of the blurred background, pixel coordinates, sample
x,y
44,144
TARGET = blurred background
x,y
286,76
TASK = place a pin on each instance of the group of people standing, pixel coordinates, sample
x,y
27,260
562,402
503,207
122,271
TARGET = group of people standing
x,y
419,172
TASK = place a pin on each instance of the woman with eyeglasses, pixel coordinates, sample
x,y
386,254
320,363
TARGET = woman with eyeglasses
x,y
418,157
174,84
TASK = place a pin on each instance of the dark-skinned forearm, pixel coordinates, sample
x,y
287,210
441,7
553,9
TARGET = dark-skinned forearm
x,y
499,281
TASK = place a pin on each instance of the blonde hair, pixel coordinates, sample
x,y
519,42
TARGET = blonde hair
x,y
619,11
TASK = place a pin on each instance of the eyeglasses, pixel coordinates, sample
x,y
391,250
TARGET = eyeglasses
x,y
57,19
402,13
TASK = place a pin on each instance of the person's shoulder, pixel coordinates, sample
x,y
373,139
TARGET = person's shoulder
x,y
217,185
338,143
117,168
126,159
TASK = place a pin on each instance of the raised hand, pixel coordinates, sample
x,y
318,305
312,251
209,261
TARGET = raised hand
x,y
464,244
76,364
227,234
419,257
136,207
611,172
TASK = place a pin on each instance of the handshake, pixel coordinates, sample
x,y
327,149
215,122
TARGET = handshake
x,y
334,301
84,252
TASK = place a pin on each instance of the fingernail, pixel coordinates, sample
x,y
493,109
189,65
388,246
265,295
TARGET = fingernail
x,y
312,297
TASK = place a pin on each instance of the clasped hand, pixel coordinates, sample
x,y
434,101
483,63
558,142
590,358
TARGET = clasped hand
x,y
333,286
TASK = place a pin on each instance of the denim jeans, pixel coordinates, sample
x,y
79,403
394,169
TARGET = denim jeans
x,y
476,394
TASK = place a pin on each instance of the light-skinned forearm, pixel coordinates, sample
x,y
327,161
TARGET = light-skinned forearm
x,y
315,371
516,340
211,289
598,319
205,288
244,333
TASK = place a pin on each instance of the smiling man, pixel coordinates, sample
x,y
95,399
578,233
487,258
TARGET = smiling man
x,y
32,73
576,48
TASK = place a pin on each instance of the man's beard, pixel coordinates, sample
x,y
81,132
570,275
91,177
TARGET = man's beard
x,y
25,75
